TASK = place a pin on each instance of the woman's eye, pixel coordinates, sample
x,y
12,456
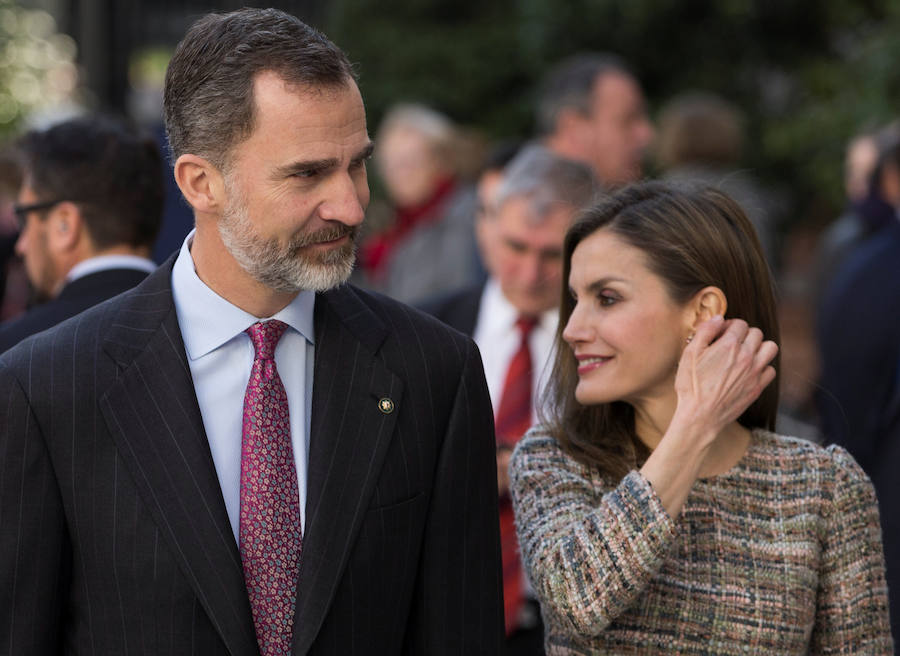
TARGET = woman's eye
x,y
608,299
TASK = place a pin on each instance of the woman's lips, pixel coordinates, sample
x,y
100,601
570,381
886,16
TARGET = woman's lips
x,y
588,363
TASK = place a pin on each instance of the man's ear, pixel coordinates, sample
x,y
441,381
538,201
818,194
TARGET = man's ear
x,y
65,227
570,121
201,183
707,303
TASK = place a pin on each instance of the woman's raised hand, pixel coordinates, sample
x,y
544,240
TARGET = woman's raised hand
x,y
724,368
722,371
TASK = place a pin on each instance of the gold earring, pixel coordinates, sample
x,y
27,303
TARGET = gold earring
x,y
689,338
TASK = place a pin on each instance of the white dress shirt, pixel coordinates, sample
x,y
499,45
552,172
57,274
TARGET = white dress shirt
x,y
498,340
220,355
106,262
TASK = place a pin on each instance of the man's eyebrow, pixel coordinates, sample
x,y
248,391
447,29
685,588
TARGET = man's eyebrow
x,y
365,153
307,165
321,164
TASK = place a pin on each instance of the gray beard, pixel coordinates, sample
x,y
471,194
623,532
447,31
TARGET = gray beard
x,y
286,268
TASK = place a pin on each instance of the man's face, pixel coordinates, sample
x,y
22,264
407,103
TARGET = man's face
x,y
485,215
297,187
33,247
409,166
616,130
527,255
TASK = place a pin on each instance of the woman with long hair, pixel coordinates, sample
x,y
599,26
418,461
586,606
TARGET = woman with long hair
x,y
656,510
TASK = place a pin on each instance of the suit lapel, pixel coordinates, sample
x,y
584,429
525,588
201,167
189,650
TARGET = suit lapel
x,y
153,416
349,435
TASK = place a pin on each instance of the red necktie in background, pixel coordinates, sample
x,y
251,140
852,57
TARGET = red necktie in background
x,y
269,532
513,419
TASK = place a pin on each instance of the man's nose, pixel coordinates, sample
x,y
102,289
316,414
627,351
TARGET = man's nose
x,y
21,243
347,201
531,270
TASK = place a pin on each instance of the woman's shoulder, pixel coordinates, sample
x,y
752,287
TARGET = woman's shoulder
x,y
538,449
794,455
538,439
537,443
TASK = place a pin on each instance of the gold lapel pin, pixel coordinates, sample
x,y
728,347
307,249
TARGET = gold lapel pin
x,y
386,405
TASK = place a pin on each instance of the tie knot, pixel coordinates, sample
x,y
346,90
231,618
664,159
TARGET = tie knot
x,y
525,324
265,336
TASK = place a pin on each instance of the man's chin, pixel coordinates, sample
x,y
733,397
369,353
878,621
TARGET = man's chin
x,y
316,277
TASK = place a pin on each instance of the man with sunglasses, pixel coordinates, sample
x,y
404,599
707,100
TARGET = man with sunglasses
x,y
89,209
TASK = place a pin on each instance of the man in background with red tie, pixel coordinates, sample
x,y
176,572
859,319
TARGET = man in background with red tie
x,y
513,317
244,455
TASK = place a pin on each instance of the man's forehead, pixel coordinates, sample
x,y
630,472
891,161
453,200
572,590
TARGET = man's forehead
x,y
287,114
615,87
518,216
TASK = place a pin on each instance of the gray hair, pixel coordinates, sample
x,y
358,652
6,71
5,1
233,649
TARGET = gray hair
x,y
547,180
424,120
569,86
209,105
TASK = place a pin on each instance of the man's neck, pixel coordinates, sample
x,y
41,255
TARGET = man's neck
x,y
219,271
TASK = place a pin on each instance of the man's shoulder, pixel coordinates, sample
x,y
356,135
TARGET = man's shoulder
x,y
878,254
458,309
87,330
405,337
400,318
75,298
31,322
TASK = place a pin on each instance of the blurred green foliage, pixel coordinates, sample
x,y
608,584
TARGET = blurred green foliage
x,y
37,70
808,73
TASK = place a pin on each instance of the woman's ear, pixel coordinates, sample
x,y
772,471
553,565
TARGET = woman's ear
x,y
707,303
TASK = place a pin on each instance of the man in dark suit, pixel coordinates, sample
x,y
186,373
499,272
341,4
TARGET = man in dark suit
x,y
243,455
859,387
89,208
513,317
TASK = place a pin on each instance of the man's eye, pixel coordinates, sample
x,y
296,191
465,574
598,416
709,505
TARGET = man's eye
x,y
306,173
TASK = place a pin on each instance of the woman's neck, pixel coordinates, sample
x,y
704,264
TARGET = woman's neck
x,y
652,417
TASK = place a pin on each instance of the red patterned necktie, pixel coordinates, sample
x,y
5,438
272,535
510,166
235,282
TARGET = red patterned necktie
x,y
270,533
513,419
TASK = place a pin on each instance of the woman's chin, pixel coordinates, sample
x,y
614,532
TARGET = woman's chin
x,y
586,395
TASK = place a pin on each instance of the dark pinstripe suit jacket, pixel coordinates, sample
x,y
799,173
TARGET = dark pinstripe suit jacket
x,y
458,310
77,296
114,537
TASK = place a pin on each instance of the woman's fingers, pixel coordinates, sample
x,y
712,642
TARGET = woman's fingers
x,y
724,369
753,340
761,362
706,333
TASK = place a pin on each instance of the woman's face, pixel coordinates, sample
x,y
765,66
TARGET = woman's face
x,y
626,332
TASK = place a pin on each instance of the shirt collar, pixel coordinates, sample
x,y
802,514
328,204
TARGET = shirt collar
x,y
208,321
106,262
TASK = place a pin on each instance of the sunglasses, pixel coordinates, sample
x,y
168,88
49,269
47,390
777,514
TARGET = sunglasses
x,y
22,211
